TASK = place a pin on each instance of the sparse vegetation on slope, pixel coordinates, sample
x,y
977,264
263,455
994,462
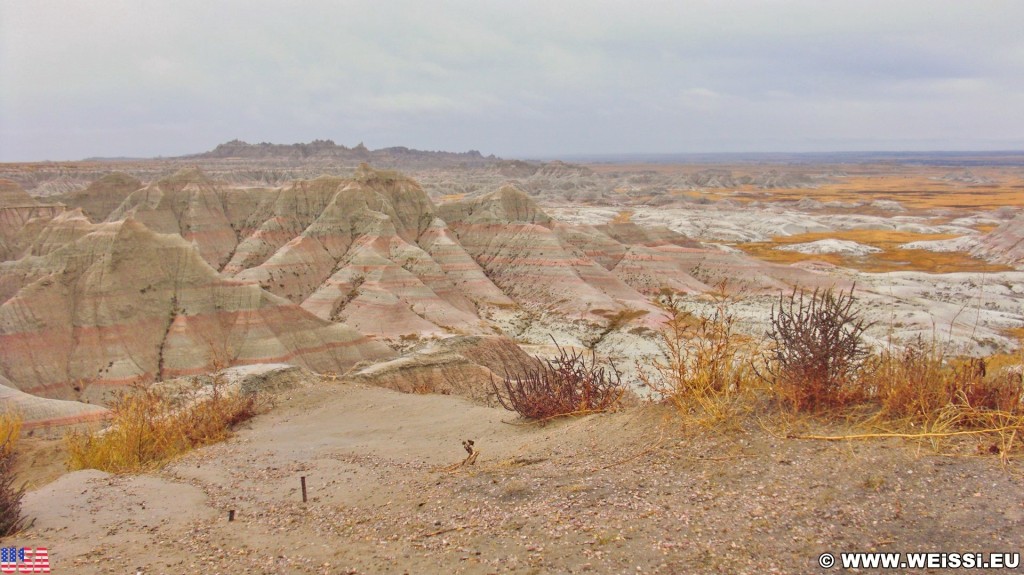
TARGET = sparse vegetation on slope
x,y
918,389
566,385
11,520
816,348
147,429
705,368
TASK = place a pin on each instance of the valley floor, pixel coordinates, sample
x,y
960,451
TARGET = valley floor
x,y
616,493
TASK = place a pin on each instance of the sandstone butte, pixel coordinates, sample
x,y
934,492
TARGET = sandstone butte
x,y
127,282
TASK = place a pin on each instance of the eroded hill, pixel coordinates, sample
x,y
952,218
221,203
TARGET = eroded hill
x,y
133,280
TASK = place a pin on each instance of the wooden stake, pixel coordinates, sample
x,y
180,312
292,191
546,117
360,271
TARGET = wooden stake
x,y
303,488
231,515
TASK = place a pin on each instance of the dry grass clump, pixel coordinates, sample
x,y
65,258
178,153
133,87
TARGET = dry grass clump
x,y
816,349
913,383
11,520
918,388
917,381
705,367
148,429
10,428
566,385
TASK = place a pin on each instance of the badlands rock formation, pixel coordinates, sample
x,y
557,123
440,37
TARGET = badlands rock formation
x,y
12,195
103,196
460,365
187,273
20,216
100,305
831,247
39,412
137,279
1005,244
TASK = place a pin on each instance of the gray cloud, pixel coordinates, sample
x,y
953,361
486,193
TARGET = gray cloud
x,y
526,78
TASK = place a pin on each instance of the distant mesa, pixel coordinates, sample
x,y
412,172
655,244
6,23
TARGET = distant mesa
x,y
328,150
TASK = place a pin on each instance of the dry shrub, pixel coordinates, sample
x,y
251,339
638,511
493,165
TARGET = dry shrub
x,y
920,386
565,385
919,381
705,368
922,392
11,520
148,429
913,383
816,349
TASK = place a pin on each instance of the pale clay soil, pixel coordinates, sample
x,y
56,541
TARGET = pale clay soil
x,y
628,492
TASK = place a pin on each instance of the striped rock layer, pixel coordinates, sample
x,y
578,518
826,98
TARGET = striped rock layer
x,y
1004,244
187,274
122,304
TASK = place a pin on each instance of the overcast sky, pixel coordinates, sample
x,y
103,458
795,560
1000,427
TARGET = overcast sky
x,y
512,78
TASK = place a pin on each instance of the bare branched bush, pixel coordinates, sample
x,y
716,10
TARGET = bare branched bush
x,y
566,385
815,349
704,368
11,520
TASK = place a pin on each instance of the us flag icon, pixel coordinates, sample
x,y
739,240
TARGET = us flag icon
x,y
24,560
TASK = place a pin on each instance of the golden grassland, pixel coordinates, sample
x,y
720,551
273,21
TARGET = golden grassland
x,y
892,258
918,190
914,187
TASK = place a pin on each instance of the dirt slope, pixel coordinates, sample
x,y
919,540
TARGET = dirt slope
x,y
606,494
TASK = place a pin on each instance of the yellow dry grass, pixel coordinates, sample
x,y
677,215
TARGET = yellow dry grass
x,y
147,430
914,187
10,428
623,217
704,370
892,258
911,193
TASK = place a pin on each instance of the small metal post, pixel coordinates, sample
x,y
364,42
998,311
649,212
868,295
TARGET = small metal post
x,y
303,488
231,515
